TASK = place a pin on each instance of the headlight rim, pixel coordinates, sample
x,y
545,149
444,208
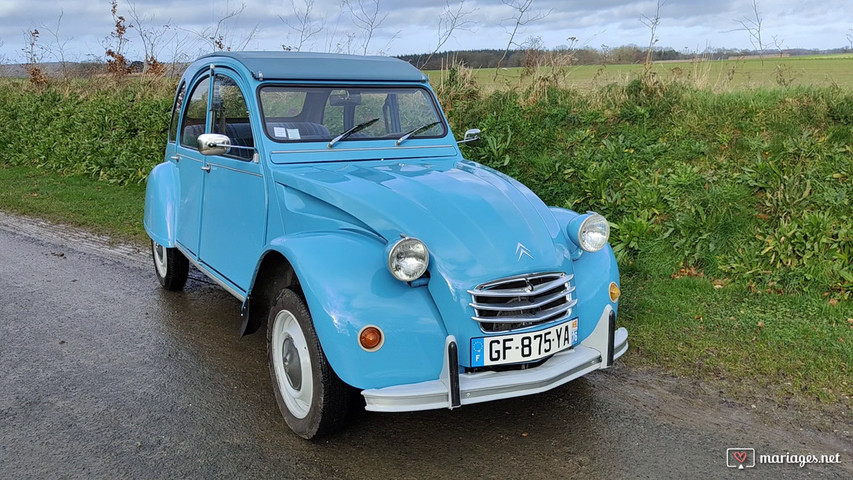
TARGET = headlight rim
x,y
577,225
391,254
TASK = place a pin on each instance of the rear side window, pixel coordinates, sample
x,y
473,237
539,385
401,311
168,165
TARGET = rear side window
x,y
176,111
195,115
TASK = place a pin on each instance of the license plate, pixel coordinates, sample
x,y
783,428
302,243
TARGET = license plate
x,y
523,347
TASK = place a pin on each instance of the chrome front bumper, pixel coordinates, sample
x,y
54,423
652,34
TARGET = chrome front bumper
x,y
594,353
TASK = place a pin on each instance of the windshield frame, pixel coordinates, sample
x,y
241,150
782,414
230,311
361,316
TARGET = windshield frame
x,y
428,93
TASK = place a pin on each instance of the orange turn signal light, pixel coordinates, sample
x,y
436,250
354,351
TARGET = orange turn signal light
x,y
614,292
370,338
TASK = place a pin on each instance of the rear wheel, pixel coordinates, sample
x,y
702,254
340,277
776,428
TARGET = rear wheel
x,y
310,396
170,265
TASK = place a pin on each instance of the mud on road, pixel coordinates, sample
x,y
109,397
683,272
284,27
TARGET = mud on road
x,y
107,375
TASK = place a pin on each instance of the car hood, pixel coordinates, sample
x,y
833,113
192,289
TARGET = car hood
x,y
478,224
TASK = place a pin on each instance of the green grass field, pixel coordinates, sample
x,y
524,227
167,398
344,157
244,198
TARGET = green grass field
x,y
99,207
718,75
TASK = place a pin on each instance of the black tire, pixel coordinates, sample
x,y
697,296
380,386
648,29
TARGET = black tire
x,y
310,410
170,265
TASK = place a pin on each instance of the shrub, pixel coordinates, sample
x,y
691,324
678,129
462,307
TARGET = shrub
x,y
749,186
114,132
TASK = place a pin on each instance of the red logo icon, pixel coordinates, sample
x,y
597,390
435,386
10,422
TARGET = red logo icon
x,y
740,458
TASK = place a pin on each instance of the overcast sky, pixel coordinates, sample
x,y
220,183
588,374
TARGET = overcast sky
x,y
412,26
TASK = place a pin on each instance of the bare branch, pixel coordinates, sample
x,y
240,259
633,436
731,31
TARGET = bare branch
x,y
450,21
184,48
521,17
152,39
305,27
33,52
752,25
346,45
218,37
779,43
652,24
366,17
59,53
115,44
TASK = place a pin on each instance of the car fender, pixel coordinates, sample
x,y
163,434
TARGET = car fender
x,y
594,271
593,274
162,195
347,286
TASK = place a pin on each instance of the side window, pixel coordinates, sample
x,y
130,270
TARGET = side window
x,y
195,115
231,117
176,111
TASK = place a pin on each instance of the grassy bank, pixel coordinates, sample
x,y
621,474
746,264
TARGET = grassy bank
x,y
77,200
731,212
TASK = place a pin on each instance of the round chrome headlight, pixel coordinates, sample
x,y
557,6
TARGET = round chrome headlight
x,y
592,234
408,259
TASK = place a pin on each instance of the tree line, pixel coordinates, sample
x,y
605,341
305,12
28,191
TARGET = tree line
x,y
626,54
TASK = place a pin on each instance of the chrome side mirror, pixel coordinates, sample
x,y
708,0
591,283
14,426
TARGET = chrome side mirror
x,y
472,137
213,144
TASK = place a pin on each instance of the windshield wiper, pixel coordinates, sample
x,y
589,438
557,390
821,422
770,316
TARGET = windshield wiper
x,y
355,129
415,132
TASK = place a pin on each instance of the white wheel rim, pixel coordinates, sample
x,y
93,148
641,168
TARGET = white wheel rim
x,y
295,384
160,259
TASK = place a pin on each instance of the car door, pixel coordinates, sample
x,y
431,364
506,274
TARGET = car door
x,y
233,217
190,163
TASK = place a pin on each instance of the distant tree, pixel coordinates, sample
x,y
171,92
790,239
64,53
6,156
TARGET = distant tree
x,y
668,54
587,56
627,54
534,54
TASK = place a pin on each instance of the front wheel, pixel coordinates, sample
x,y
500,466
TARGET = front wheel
x,y
171,266
310,396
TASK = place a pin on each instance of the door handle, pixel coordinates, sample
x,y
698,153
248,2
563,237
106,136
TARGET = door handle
x,y
206,168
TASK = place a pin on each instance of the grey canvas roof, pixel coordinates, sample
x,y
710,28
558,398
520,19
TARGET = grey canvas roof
x,y
323,66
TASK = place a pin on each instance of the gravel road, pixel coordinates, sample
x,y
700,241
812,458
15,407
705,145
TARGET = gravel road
x,y
105,375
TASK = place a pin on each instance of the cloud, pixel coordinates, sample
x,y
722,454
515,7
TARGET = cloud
x,y
411,27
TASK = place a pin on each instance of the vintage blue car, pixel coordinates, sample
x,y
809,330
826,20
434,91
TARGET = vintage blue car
x,y
328,194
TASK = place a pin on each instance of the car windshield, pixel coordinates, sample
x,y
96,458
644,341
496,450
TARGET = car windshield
x,y
313,114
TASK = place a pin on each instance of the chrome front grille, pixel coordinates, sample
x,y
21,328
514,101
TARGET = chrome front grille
x,y
523,301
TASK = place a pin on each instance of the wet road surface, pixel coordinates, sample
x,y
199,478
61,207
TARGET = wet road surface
x,y
106,375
